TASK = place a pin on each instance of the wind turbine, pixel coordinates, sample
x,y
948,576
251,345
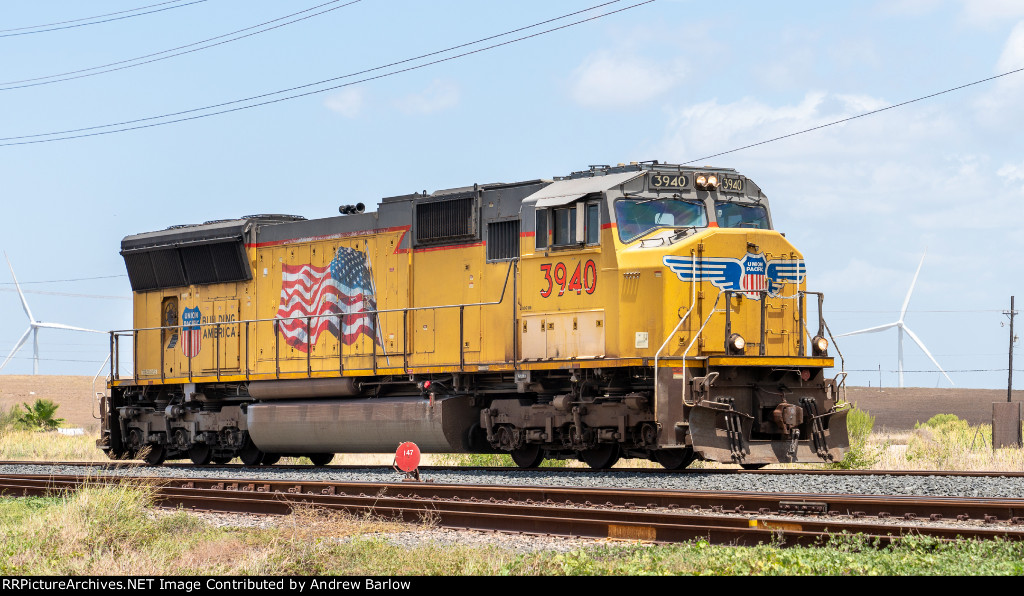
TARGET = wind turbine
x,y
33,327
902,327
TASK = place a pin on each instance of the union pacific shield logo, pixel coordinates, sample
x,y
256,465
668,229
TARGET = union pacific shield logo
x,y
192,335
750,275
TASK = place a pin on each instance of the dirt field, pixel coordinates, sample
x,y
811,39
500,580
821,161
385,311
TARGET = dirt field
x,y
899,409
74,395
894,409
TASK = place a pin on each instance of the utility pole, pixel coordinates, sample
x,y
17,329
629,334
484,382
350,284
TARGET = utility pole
x,y
1006,418
1009,383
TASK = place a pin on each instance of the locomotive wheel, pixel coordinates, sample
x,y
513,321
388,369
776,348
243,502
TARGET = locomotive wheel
x,y
270,459
528,456
752,466
675,459
251,454
200,454
155,456
321,459
603,456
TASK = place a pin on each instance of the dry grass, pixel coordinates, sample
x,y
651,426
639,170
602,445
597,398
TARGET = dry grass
x,y
113,530
29,445
962,448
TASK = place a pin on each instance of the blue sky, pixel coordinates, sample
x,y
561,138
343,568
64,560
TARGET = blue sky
x,y
670,80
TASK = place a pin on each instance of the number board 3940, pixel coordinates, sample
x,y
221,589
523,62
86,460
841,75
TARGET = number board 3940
x,y
668,181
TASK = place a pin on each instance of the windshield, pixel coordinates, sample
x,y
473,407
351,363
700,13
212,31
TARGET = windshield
x,y
736,215
635,218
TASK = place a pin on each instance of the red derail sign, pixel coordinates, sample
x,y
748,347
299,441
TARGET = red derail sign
x,y
407,458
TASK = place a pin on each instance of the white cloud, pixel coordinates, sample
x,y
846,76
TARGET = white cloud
x,y
605,80
985,12
1012,173
1012,57
349,102
1005,96
909,7
439,95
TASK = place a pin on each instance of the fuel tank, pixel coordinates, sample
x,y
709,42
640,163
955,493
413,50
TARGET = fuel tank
x,y
362,425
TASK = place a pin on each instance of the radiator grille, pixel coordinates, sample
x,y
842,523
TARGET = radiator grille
x,y
503,240
452,220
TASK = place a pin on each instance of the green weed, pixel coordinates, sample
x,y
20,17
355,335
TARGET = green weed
x,y
39,416
861,455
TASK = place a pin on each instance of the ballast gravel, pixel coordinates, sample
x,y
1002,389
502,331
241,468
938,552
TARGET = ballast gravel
x,y
938,485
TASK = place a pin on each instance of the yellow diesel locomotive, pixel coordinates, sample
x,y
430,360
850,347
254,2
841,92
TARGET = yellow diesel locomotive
x,y
644,310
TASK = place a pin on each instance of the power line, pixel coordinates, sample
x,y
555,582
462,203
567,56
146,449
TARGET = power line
x,y
963,370
68,294
54,281
22,30
9,85
865,114
916,311
304,94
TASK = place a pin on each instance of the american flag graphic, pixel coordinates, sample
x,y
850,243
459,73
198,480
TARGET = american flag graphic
x,y
192,333
323,293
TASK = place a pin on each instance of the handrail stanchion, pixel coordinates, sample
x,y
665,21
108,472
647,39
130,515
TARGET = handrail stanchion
x,y
728,319
247,351
163,377
135,354
764,326
113,358
216,348
341,347
277,349
515,315
309,349
800,324
462,354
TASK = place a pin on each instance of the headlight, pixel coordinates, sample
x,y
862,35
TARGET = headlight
x,y
819,345
737,343
706,181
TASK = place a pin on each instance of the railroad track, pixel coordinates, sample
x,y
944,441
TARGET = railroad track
x,y
647,515
589,471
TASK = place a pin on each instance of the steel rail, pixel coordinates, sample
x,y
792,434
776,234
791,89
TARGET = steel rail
x,y
426,469
910,508
510,515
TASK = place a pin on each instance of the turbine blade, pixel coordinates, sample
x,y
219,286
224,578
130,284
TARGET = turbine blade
x,y
24,303
869,330
66,327
17,347
906,301
927,353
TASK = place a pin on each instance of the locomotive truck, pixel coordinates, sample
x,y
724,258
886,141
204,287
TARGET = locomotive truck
x,y
643,310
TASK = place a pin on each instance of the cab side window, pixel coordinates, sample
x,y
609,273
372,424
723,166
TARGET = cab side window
x,y
542,228
570,226
565,226
593,226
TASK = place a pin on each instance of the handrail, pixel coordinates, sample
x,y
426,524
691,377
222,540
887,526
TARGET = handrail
x,y
714,308
117,334
362,312
657,355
